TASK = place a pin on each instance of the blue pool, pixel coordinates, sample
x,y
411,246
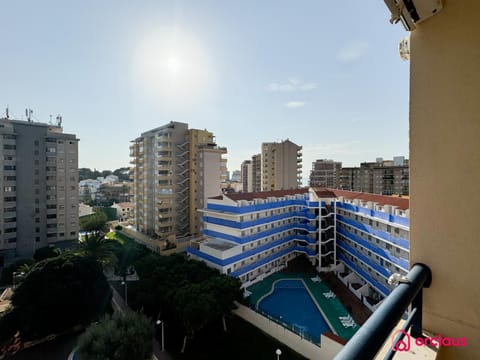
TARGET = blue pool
x,y
291,303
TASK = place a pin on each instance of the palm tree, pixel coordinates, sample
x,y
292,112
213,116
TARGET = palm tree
x,y
99,248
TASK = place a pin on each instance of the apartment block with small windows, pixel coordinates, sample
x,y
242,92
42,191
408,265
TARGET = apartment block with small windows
x,y
362,238
386,177
325,173
281,166
39,193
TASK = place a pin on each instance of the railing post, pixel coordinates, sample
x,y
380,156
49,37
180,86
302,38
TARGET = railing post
x,y
369,339
417,303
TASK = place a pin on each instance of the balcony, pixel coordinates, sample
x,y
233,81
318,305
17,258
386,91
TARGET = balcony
x,y
371,337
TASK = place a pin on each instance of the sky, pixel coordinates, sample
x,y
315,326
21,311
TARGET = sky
x,y
325,74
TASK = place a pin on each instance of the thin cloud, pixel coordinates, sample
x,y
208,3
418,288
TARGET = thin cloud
x,y
293,84
295,104
352,51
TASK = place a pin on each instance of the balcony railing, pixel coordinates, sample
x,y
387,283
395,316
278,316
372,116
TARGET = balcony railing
x,y
369,339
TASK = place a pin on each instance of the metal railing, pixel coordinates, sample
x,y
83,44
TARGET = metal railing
x,y
369,339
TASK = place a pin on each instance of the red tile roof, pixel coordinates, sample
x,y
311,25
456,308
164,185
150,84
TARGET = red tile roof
x,y
261,195
400,202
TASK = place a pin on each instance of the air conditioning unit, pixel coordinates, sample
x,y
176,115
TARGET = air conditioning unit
x,y
412,12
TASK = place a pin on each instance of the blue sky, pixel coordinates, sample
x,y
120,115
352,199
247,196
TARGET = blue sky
x,y
325,74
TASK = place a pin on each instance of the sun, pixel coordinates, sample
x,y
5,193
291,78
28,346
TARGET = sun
x,y
174,68
173,65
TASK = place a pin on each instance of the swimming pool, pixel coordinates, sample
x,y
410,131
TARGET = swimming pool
x,y
290,303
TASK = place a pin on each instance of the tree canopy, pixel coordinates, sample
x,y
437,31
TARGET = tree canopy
x,y
46,252
99,248
118,337
194,293
56,294
94,222
7,273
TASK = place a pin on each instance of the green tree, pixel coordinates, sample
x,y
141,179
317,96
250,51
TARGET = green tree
x,y
46,252
195,308
99,248
119,337
225,290
94,223
58,293
7,273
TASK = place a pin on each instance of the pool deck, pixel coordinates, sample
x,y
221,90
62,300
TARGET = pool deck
x,y
331,308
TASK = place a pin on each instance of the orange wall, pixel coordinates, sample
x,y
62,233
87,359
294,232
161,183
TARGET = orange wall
x,y
445,170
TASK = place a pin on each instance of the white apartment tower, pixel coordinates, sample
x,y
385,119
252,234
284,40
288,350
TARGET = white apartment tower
x,y
39,192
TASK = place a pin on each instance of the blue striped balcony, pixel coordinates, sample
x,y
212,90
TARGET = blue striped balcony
x,y
363,274
363,258
376,214
383,235
379,251
253,237
266,260
257,207
243,255
307,238
260,221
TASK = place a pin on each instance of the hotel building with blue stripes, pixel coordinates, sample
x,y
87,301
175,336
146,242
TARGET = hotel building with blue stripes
x,y
362,238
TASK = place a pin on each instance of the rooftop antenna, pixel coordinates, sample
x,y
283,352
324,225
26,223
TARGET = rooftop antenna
x,y
28,113
6,112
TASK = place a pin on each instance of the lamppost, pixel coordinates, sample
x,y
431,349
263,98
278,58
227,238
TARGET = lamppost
x,y
278,352
16,275
160,322
124,283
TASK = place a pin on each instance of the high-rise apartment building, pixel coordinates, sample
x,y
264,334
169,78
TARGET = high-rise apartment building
x,y
281,166
387,177
325,173
39,192
247,176
257,172
175,169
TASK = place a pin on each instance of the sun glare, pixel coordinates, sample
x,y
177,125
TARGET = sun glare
x,y
173,68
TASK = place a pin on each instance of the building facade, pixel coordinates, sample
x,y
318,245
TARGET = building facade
x,y
174,171
325,173
39,192
281,166
247,176
363,238
386,177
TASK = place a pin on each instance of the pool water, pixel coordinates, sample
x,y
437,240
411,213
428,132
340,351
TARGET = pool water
x,y
291,303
